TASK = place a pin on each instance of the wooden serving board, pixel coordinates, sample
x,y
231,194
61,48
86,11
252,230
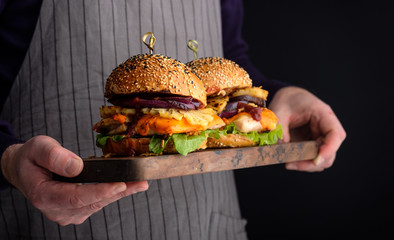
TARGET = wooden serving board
x,y
125,169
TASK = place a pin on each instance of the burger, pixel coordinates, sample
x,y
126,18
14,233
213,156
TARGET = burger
x,y
241,106
157,106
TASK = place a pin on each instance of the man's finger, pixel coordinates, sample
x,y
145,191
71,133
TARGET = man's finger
x,y
79,215
54,157
334,135
132,188
54,194
69,196
284,121
306,165
330,144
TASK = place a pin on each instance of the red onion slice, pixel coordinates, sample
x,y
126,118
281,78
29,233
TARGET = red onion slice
x,y
185,103
232,109
247,98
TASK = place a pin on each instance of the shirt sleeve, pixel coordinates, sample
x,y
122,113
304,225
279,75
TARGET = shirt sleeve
x,y
18,19
7,138
236,49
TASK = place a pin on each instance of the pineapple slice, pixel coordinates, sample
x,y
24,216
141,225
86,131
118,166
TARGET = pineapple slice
x,y
201,117
218,104
165,112
252,91
109,111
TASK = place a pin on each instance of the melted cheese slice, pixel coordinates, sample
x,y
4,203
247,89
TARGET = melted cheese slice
x,y
245,123
168,122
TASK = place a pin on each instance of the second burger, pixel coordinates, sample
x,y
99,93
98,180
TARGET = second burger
x,y
242,107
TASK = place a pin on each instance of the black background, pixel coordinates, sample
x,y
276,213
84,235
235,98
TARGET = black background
x,y
342,52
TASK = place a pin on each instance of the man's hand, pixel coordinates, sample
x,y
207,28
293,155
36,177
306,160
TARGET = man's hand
x,y
304,117
29,168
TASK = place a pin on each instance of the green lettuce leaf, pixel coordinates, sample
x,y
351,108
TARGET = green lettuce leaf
x,y
101,139
271,137
265,138
155,144
117,138
185,144
216,133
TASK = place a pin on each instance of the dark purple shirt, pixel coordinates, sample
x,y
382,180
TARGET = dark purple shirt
x,y
18,19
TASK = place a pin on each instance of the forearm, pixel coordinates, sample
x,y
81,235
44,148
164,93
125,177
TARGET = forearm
x,y
236,49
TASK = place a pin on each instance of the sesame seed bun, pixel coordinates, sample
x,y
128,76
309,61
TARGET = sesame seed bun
x,y
220,74
154,73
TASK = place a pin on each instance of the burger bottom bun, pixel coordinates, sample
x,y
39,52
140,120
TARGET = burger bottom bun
x,y
230,140
126,146
138,146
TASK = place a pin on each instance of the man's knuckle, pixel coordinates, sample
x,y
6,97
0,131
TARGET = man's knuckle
x,y
343,135
79,220
328,107
327,165
54,153
76,202
96,206
37,140
122,194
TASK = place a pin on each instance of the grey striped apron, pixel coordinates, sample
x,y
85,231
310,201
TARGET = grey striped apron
x,y
59,90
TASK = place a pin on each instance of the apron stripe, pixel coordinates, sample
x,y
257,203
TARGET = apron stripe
x,y
73,81
159,183
56,71
88,77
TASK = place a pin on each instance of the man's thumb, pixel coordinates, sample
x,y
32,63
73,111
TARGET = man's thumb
x,y
284,121
57,159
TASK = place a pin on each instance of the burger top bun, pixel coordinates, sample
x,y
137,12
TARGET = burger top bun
x,y
220,75
154,73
